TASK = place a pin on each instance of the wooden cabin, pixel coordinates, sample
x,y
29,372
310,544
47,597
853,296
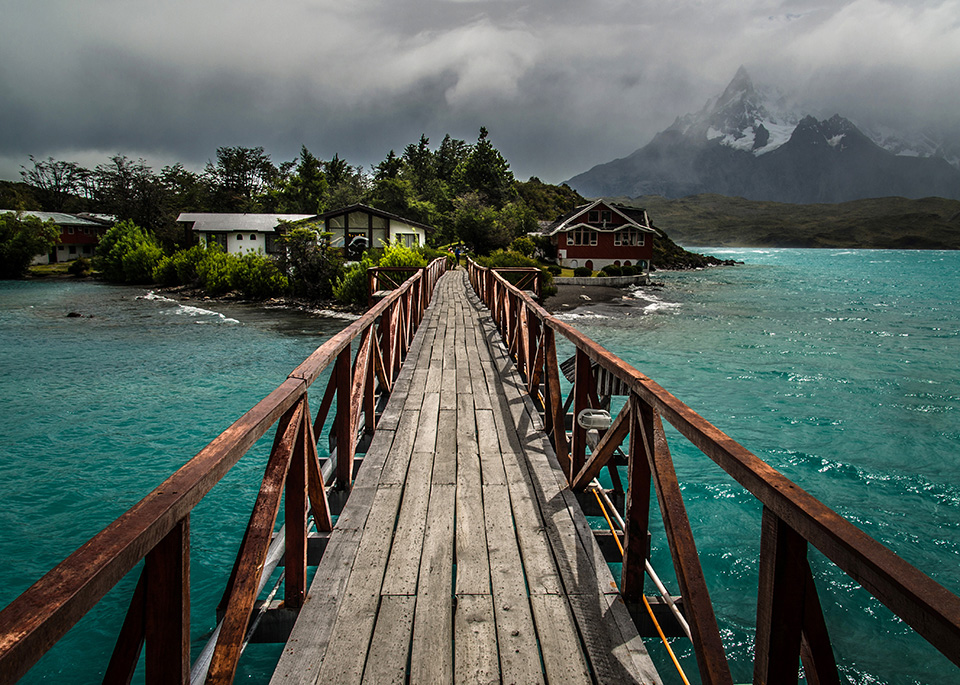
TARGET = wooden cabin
x,y
600,234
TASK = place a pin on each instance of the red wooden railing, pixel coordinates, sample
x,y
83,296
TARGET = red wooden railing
x,y
157,528
790,622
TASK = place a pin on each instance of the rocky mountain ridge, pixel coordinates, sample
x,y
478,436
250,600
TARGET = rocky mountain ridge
x,y
755,143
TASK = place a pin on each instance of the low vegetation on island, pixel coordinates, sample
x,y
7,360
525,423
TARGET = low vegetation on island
x,y
467,191
931,223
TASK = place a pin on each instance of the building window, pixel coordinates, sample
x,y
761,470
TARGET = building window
x,y
73,249
253,236
593,217
582,236
70,230
606,216
239,236
628,236
410,239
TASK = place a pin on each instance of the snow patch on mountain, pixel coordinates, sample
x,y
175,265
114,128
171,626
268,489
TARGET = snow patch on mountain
x,y
760,119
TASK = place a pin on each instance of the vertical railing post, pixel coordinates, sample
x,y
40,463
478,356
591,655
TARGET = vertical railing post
x,y
580,395
783,554
636,548
343,420
556,420
295,519
167,610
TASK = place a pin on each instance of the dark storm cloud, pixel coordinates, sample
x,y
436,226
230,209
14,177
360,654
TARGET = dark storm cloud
x,y
562,85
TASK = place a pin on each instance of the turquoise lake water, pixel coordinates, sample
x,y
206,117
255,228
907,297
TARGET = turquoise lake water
x,y
840,368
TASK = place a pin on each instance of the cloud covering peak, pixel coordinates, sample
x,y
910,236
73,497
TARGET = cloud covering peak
x,y
561,85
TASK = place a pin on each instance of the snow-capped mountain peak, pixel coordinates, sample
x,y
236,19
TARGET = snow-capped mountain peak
x,y
743,117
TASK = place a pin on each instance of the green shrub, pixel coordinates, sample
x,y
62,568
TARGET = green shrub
x,y
256,276
554,269
79,267
506,258
127,254
612,270
139,262
582,271
214,272
351,287
311,264
628,271
524,246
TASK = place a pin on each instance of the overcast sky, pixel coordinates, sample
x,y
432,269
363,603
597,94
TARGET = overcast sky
x,y
561,84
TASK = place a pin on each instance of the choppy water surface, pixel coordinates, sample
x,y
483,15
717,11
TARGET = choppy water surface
x,y
96,410
838,367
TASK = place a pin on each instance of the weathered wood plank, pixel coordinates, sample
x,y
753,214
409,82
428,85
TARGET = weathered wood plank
x,y
473,566
431,659
516,635
426,434
403,569
304,651
346,655
394,469
445,463
559,643
390,646
476,657
491,463
543,577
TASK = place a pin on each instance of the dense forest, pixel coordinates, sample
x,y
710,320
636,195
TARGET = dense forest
x,y
467,191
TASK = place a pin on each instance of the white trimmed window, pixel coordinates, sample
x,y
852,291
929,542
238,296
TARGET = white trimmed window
x,y
582,236
628,236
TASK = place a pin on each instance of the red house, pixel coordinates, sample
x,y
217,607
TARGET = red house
x,y
599,234
79,235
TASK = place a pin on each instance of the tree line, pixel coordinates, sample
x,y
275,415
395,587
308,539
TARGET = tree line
x,y
466,190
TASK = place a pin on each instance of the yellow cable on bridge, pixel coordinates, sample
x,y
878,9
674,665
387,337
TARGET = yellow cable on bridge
x,y
653,618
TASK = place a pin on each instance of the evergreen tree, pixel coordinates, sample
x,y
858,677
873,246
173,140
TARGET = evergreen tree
x,y
486,172
304,191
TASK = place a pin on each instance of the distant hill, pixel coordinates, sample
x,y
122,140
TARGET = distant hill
x,y
753,143
891,222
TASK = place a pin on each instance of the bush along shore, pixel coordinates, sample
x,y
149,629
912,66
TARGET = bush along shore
x,y
467,192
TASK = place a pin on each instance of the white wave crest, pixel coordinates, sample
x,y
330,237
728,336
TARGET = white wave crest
x,y
151,295
574,316
654,303
188,310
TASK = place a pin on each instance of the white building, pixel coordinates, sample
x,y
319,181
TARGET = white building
x,y
376,225
239,233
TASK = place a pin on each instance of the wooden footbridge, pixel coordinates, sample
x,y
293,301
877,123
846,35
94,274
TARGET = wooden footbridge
x,y
446,533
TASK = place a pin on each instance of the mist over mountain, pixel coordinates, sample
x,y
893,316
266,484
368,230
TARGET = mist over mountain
x,y
756,143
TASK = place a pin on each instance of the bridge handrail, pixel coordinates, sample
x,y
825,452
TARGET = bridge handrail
x,y
791,518
157,527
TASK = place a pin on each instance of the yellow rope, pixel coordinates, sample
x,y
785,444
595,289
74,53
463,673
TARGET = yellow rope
x,y
653,618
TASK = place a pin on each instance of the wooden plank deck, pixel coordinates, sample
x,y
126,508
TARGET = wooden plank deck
x,y
460,555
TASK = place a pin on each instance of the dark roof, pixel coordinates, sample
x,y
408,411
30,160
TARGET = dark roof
x,y
375,212
62,219
635,216
262,223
